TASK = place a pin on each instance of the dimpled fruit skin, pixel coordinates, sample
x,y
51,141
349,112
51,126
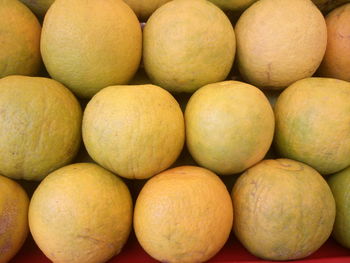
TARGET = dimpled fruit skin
x,y
284,210
14,229
40,120
234,5
89,45
187,44
134,131
20,40
183,214
336,62
81,213
143,9
229,126
312,123
340,186
274,55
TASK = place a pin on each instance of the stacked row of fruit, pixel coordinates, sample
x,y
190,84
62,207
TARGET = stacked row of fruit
x,y
68,83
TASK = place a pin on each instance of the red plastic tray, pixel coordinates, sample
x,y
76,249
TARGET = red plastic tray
x,y
233,251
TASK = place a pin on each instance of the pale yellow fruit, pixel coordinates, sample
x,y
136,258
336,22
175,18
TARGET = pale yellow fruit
x,y
229,126
284,210
40,125
183,214
143,9
89,45
280,42
134,131
233,5
13,218
188,44
336,62
39,7
81,213
340,186
20,40
312,123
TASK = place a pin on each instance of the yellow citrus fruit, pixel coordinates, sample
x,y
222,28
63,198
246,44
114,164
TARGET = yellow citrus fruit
x,y
38,7
233,5
284,210
40,123
312,117
229,126
81,213
89,45
280,41
20,40
188,44
336,62
13,218
134,131
183,214
143,9
340,186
